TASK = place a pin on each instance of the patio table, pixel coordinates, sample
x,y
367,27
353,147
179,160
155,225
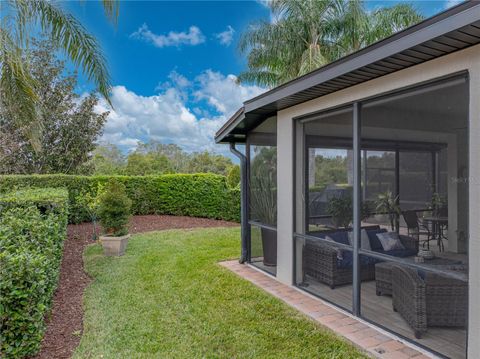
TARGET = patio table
x,y
438,223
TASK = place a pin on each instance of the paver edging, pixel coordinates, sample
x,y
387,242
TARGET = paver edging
x,y
371,340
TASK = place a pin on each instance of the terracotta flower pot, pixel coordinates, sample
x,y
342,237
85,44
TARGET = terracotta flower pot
x,y
114,246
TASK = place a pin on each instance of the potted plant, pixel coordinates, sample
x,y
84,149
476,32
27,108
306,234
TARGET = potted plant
x,y
341,210
114,211
437,204
263,201
389,204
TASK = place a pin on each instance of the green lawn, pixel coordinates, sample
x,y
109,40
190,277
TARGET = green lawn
x,y
168,298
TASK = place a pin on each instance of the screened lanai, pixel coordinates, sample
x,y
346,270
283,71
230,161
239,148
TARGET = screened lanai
x,y
412,170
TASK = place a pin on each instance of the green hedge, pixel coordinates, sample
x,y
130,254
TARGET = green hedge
x,y
195,195
33,226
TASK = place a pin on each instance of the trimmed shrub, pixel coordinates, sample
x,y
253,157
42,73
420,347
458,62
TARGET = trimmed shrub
x,y
196,195
32,231
114,209
45,199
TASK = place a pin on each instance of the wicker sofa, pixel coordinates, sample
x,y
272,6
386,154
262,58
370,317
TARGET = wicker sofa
x,y
428,300
329,265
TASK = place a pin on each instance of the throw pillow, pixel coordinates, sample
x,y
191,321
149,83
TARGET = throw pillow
x,y
364,240
390,241
374,241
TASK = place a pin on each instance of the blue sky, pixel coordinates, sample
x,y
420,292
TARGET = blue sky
x,y
173,66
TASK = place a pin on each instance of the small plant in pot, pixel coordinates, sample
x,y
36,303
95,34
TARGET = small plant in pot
x,y
114,211
341,210
438,205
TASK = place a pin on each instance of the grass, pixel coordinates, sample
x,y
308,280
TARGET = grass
x,y
168,298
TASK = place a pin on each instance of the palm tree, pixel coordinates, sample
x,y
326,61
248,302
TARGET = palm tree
x,y
305,35
353,27
17,86
289,46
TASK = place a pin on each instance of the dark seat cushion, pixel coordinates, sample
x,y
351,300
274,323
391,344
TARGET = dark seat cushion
x,y
347,260
401,253
340,237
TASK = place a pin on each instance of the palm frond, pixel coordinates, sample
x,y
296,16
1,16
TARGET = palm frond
x,y
389,20
312,59
17,88
112,9
81,47
262,78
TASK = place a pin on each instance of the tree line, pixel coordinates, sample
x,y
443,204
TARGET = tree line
x,y
155,158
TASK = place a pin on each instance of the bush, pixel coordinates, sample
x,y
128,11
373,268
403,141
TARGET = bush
x,y
32,231
196,195
114,209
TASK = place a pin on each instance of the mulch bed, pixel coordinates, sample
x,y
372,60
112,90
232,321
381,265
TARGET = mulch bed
x,y
65,325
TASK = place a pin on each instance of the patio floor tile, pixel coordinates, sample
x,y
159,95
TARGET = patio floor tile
x,y
396,355
392,345
364,336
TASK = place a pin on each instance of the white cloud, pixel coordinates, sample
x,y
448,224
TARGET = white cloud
x,y
222,92
175,80
179,80
193,37
226,37
177,114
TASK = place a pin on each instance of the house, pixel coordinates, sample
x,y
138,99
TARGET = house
x,y
361,182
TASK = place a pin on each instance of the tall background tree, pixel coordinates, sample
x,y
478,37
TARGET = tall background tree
x,y
71,126
307,34
18,87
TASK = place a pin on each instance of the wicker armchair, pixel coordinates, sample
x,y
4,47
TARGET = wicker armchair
x,y
435,301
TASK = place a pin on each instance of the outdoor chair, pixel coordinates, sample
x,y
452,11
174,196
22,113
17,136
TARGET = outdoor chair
x,y
416,228
443,212
428,300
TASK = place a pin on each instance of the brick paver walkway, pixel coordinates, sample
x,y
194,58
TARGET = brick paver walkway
x,y
362,335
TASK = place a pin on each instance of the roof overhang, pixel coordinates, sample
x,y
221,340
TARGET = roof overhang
x,y
452,30
227,134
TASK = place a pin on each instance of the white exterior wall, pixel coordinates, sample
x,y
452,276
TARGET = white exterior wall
x,y
285,199
468,59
